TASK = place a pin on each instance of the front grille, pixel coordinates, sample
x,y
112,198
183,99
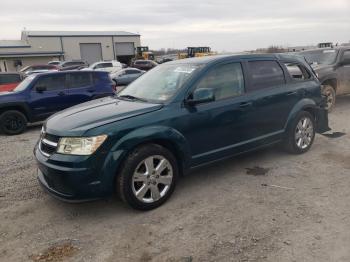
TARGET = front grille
x,y
51,138
48,144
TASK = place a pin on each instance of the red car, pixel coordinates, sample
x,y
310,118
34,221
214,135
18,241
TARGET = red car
x,y
9,81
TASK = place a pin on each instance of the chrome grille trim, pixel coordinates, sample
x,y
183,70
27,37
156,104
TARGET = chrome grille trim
x,y
45,154
50,143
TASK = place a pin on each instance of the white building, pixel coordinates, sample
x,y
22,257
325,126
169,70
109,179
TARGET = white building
x,y
39,47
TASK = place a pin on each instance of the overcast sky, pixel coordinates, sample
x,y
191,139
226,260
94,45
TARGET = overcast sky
x,y
225,25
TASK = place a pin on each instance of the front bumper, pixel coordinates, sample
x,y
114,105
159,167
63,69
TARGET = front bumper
x,y
76,183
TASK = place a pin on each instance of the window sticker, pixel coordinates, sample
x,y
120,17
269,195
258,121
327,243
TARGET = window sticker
x,y
186,70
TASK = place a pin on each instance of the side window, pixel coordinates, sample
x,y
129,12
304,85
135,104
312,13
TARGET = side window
x,y
131,72
7,78
265,74
103,65
346,55
77,80
52,82
298,72
226,80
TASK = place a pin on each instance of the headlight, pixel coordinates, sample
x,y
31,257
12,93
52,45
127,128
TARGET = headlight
x,y
80,145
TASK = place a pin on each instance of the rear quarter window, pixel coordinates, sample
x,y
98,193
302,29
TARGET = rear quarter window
x,y
265,74
297,72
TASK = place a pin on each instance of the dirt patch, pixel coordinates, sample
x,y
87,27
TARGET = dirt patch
x,y
343,160
58,252
257,171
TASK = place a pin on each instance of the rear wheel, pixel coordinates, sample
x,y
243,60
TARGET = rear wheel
x,y
148,177
330,94
13,122
301,133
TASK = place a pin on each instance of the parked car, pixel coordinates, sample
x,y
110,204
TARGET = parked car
x,y
108,66
55,62
144,64
126,76
39,96
72,65
9,81
332,66
36,69
178,116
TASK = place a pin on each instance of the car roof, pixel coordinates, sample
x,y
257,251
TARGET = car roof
x,y
71,71
218,58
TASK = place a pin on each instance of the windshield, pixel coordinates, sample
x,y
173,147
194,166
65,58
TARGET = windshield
x,y
23,85
161,83
326,57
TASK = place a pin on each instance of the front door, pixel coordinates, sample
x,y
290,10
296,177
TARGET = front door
x,y
215,129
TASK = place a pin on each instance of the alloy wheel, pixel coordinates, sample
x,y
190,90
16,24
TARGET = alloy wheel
x,y
152,179
304,133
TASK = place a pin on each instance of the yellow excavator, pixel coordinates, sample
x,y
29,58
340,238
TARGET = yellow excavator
x,y
196,52
142,52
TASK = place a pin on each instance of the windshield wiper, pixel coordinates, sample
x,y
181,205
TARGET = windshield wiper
x,y
130,97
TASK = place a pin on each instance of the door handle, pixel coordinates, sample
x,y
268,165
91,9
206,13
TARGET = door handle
x,y
61,93
91,90
292,93
245,104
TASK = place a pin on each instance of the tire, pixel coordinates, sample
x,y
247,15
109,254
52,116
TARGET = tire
x,y
330,93
13,122
138,180
300,138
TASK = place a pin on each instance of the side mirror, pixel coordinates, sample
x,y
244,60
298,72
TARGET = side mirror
x,y
201,95
40,89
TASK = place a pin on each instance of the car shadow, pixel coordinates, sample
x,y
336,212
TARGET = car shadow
x,y
198,177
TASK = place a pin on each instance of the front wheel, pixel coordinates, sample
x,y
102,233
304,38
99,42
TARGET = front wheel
x,y
147,177
13,122
301,133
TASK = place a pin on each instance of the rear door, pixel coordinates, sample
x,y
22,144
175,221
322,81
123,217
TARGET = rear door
x,y
53,99
272,99
81,87
344,75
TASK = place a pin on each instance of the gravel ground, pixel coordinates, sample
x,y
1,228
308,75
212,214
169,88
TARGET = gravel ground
x,y
263,206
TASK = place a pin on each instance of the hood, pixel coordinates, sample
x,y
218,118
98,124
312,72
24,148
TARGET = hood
x,y
78,119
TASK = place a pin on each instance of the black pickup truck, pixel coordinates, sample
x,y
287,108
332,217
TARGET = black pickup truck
x,y
332,66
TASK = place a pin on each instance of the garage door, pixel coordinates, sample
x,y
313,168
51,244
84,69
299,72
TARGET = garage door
x,y
91,53
122,49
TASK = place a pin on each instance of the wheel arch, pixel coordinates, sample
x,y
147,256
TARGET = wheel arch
x,y
16,107
332,81
307,105
167,137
